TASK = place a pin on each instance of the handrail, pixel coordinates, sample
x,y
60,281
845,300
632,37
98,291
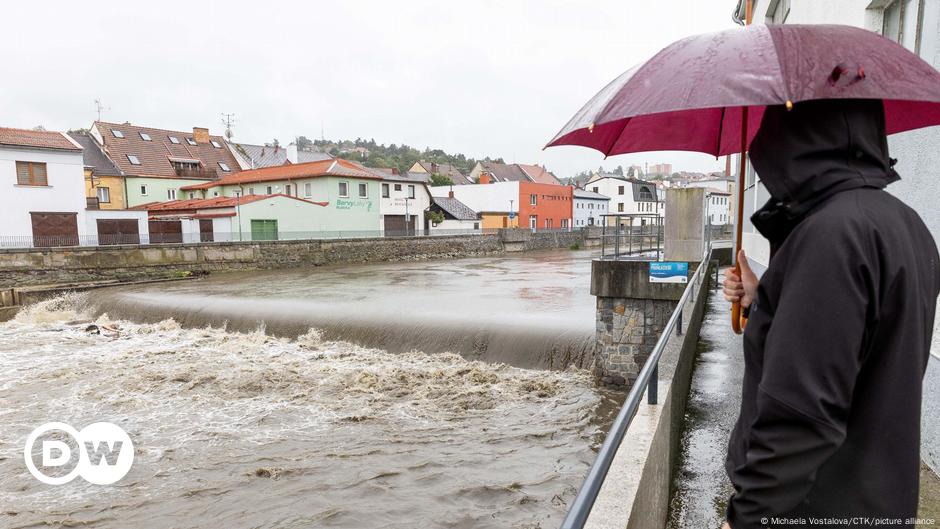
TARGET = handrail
x,y
581,507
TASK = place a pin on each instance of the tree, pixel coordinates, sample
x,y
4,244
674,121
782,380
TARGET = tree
x,y
303,143
619,170
435,217
437,179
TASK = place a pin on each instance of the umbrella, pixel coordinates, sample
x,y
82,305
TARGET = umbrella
x,y
707,93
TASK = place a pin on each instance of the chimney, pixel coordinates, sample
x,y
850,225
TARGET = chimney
x,y
450,194
484,178
201,135
433,167
292,152
395,170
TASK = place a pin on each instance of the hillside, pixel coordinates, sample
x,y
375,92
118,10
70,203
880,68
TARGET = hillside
x,y
401,157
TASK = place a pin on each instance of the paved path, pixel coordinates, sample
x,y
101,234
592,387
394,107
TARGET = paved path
x,y
702,487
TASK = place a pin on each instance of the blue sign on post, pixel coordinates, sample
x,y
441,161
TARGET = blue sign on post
x,y
512,214
669,272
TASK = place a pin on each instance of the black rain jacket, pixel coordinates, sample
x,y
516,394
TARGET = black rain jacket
x,y
839,335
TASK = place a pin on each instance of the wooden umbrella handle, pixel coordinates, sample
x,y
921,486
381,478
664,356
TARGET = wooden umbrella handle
x,y
738,321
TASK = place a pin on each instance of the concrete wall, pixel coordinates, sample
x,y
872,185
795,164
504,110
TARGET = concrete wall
x,y
65,192
684,232
20,268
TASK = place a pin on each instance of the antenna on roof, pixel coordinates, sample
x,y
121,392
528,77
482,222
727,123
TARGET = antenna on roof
x,y
100,106
228,120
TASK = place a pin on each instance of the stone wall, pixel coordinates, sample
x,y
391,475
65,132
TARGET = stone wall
x,y
46,266
627,330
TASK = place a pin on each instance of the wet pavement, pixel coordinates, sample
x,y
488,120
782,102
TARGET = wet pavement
x,y
701,487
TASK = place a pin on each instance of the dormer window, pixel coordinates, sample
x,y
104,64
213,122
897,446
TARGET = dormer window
x,y
190,141
117,133
174,140
216,145
144,136
224,166
133,159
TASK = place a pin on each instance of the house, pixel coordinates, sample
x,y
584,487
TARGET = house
x,y
43,202
915,25
629,196
104,182
514,204
155,163
257,156
718,211
515,172
241,218
351,191
457,215
540,174
588,208
452,173
403,202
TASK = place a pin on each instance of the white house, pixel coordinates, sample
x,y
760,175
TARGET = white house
x,y
43,176
916,25
628,195
402,203
457,215
718,212
589,208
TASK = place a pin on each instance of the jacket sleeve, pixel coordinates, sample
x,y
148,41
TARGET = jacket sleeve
x,y
812,356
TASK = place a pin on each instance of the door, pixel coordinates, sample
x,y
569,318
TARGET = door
x,y
205,230
263,230
395,225
533,222
118,231
165,231
55,229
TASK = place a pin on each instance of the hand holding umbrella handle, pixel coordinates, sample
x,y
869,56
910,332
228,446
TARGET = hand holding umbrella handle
x,y
738,320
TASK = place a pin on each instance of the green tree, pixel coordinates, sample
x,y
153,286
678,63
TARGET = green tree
x,y
437,179
303,143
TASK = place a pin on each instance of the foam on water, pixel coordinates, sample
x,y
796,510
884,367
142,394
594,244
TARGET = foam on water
x,y
246,429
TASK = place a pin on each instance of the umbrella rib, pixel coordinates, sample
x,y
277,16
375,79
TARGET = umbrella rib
x,y
616,137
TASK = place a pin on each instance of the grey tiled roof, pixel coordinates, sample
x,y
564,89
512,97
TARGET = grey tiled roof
x,y
584,193
455,208
93,156
268,156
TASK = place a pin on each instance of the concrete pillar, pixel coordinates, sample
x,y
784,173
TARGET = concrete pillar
x,y
685,224
631,314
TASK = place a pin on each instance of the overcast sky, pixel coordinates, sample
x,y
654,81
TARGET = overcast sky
x,y
483,78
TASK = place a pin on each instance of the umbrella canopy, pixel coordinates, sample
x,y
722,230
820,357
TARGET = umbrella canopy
x,y
691,95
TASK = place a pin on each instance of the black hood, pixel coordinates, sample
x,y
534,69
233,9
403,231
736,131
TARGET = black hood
x,y
815,150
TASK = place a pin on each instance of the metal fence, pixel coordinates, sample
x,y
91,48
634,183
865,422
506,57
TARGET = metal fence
x,y
50,241
647,381
632,236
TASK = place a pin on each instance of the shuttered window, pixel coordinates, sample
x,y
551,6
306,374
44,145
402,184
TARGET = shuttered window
x,y
31,174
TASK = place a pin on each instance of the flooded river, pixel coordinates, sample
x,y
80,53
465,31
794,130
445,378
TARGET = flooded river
x,y
242,428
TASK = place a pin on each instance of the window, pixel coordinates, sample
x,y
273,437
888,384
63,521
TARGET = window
x,y
385,193
251,191
900,23
174,140
411,191
476,225
215,144
595,190
144,136
620,207
269,191
171,194
548,224
620,190
344,189
224,166
533,222
363,191
533,200
287,188
31,174
192,195
397,187
133,159
308,189
564,223
190,141
116,133
104,195
143,190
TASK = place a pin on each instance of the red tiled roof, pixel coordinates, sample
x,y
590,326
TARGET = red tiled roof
x,y
212,203
337,167
539,174
43,139
154,155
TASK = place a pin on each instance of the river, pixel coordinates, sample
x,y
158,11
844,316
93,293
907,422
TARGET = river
x,y
238,427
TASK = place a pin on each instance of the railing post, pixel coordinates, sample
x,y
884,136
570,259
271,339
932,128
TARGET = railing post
x,y
652,391
679,324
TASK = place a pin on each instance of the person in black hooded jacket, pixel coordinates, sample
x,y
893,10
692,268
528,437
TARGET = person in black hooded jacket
x,y
839,328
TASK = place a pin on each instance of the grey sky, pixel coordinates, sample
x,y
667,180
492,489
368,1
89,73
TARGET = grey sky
x,y
478,77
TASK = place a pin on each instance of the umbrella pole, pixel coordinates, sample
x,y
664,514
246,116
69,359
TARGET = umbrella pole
x,y
738,321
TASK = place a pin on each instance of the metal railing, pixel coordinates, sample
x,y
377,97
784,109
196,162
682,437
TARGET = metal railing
x,y
632,236
647,381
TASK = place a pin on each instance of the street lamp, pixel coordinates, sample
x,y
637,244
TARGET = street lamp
x,y
238,212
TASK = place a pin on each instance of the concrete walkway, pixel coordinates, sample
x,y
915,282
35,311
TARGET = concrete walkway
x,y
701,485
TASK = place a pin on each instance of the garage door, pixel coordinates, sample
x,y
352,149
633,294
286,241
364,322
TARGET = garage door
x,y
55,229
118,231
263,230
165,231
395,226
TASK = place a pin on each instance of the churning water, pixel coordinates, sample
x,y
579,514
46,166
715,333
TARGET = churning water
x,y
237,429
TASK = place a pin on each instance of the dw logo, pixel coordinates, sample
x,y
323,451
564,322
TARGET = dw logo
x,y
104,451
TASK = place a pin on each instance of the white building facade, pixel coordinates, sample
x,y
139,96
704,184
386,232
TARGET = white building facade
x,y
589,208
43,202
628,196
913,23
402,205
718,212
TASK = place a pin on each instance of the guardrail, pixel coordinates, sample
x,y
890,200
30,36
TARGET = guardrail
x,y
647,381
